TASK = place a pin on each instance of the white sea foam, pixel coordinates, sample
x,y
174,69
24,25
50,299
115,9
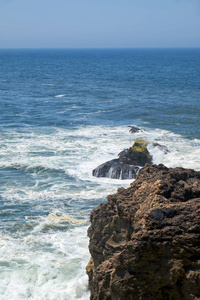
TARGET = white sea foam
x,y
44,266
50,158
49,171
59,96
58,217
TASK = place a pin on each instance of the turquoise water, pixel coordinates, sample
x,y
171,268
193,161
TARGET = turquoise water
x,y
63,112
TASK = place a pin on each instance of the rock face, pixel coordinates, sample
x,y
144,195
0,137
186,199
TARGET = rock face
x,y
127,165
145,241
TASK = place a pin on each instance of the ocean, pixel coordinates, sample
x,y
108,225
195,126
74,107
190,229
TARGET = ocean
x,y
62,113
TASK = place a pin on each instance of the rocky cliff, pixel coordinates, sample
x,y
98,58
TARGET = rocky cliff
x,y
145,240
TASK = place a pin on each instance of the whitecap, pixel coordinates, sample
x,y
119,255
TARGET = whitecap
x,y
59,96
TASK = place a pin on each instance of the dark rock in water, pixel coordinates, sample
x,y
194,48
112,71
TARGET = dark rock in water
x,y
139,154
116,169
161,147
134,129
144,241
127,165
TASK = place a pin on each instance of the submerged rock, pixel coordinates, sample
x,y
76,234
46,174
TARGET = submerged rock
x,y
135,129
144,242
127,165
161,147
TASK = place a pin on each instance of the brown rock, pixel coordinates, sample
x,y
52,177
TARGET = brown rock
x,y
145,241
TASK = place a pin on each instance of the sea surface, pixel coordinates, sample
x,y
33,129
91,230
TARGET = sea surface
x,y
62,113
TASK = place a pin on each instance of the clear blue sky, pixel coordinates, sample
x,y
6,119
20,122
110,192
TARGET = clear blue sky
x,y
99,23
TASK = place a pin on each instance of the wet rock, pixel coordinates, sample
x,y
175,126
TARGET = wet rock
x,y
144,241
116,169
139,154
135,129
161,147
127,165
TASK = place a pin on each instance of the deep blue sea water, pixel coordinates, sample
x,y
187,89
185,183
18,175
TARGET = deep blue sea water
x,y
62,113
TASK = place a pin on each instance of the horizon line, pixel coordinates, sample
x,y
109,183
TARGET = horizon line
x,y
94,48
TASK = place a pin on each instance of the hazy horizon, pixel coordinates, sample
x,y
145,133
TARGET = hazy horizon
x,y
100,48
92,24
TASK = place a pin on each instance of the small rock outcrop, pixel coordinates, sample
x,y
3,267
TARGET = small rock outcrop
x,y
161,147
138,154
127,165
134,129
145,240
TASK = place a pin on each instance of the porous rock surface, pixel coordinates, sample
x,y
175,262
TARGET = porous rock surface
x,y
145,240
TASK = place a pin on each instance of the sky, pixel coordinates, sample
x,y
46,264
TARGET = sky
x,y
99,23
